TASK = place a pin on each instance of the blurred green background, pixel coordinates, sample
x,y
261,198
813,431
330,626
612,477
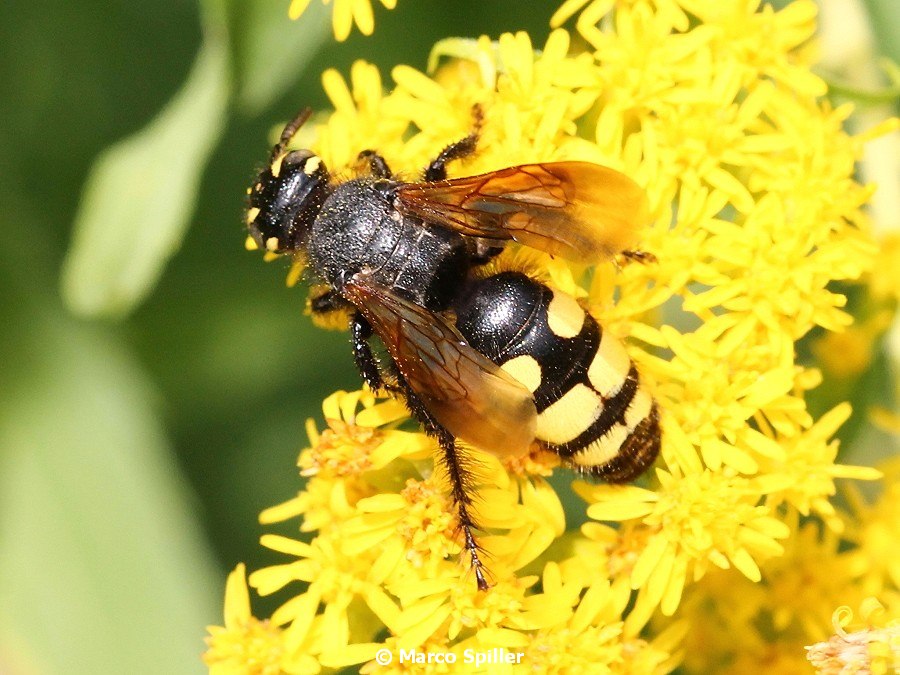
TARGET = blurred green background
x,y
156,377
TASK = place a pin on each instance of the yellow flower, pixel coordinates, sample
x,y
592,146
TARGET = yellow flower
x,y
875,557
739,626
710,105
353,443
805,476
246,645
885,281
692,520
346,13
594,638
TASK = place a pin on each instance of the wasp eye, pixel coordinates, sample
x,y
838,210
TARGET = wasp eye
x,y
285,200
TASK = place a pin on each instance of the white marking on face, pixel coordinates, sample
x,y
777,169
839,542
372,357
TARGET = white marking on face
x,y
312,165
272,244
275,169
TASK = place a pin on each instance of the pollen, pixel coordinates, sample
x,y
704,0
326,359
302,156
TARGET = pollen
x,y
343,449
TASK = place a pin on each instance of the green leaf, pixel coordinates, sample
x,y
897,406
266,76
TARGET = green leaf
x,y
272,50
141,192
884,16
103,567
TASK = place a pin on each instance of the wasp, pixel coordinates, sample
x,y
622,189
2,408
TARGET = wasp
x,y
498,360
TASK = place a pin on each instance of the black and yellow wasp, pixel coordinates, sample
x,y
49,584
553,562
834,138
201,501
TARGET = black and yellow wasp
x,y
499,360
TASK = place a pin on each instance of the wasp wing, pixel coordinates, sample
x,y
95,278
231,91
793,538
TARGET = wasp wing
x,y
468,394
577,210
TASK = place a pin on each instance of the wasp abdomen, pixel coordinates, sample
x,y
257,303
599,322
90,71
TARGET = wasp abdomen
x,y
592,410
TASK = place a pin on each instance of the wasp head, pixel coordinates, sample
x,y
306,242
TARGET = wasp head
x,y
285,200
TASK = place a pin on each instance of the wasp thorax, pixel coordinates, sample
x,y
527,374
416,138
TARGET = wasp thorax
x,y
285,200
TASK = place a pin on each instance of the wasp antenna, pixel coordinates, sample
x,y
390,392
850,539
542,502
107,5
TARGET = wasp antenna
x,y
290,130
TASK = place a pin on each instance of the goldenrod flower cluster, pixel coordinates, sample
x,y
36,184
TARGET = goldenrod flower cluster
x,y
711,106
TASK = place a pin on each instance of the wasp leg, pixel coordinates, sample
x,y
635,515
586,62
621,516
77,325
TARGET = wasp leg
x,y
461,482
642,257
485,251
360,332
378,167
464,147
329,301
366,363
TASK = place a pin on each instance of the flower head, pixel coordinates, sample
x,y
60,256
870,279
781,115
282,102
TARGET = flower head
x,y
246,645
345,14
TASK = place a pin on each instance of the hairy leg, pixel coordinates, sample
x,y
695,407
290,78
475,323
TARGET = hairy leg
x,y
378,167
366,363
464,147
461,483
